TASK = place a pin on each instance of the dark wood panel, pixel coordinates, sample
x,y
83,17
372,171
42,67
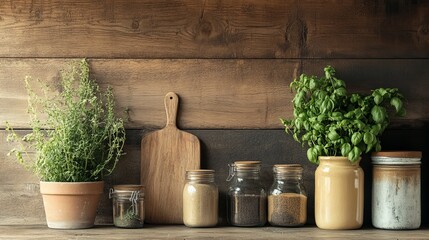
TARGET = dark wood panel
x,y
219,147
411,77
214,29
215,94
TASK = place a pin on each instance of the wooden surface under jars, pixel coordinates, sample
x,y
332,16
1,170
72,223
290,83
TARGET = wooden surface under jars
x,y
182,232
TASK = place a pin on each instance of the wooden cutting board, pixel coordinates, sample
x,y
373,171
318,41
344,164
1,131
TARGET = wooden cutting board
x,y
166,154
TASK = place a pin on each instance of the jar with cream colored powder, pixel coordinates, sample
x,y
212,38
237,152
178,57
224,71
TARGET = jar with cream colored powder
x,y
200,199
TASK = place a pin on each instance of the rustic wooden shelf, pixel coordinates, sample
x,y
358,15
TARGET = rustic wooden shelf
x,y
182,232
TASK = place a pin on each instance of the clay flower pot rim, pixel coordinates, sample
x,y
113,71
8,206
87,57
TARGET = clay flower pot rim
x,y
71,183
79,188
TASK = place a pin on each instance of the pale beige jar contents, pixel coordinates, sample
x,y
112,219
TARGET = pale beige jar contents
x,y
200,199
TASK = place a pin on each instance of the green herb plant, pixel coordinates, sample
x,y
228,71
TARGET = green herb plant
x,y
130,218
81,140
332,122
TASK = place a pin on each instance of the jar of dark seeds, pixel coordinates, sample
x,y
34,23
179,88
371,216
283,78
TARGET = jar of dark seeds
x,y
128,206
287,199
247,199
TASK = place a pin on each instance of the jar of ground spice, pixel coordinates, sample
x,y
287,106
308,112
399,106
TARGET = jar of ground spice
x,y
128,205
200,199
287,199
247,199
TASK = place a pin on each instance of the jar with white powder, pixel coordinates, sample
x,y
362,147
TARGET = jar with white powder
x,y
200,199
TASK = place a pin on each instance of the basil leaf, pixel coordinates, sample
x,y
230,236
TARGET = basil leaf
x,y
375,129
369,147
354,154
312,85
359,124
377,113
368,138
378,147
312,155
396,103
341,91
356,138
345,149
377,98
333,135
321,117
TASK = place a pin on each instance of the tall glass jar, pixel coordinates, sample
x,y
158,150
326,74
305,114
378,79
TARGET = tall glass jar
x,y
339,189
247,198
128,205
200,199
287,199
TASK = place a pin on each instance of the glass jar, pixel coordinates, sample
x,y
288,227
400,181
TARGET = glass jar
x,y
128,205
247,199
287,199
200,199
396,186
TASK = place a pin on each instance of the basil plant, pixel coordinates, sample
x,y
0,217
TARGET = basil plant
x,y
332,122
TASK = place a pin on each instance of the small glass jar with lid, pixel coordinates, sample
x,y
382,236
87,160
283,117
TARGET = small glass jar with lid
x,y
200,199
128,205
287,199
247,199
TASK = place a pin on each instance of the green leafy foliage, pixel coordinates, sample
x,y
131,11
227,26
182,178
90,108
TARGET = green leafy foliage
x,y
81,139
332,122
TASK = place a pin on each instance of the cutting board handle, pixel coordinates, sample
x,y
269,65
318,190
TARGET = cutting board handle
x,y
171,102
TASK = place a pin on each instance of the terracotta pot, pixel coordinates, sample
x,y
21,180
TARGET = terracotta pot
x,y
71,205
339,187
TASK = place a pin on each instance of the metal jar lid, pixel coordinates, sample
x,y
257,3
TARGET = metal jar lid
x,y
287,167
396,157
247,164
200,174
128,189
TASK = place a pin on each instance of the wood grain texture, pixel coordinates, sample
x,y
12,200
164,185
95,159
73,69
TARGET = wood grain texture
x,y
20,195
214,29
232,62
216,94
181,232
218,148
22,204
166,155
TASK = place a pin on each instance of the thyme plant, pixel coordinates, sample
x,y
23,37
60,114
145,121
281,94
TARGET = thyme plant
x,y
81,139
332,122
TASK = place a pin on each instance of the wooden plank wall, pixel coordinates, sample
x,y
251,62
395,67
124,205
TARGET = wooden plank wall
x,y
231,62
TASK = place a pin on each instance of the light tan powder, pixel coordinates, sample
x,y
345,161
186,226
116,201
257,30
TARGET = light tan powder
x,y
287,209
200,205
